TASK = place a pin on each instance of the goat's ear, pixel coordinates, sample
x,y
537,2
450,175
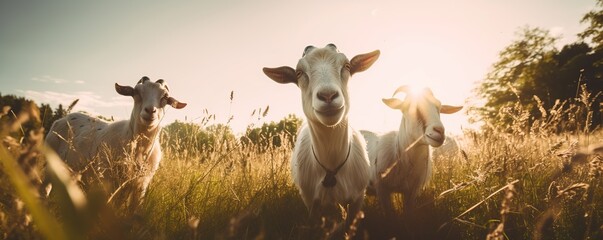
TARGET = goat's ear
x,y
447,109
175,103
393,103
362,62
281,74
125,90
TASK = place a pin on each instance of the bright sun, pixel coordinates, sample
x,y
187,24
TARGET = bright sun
x,y
414,90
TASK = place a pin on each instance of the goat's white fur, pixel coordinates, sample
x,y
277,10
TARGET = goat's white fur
x,y
79,138
400,159
322,75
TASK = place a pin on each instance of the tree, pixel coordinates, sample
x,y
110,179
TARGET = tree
x,y
191,138
512,77
532,76
221,137
273,134
47,117
594,31
18,104
47,114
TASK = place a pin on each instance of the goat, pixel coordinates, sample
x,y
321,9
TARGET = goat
x,y
97,148
329,163
400,159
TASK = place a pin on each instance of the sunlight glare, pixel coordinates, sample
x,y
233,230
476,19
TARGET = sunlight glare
x,y
416,88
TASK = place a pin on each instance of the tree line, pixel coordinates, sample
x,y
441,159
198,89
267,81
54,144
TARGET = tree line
x,y
14,104
195,138
177,136
533,74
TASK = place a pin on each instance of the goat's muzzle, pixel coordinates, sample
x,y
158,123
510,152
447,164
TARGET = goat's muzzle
x,y
435,136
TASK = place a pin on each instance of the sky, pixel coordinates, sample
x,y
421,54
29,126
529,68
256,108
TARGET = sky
x,y
57,51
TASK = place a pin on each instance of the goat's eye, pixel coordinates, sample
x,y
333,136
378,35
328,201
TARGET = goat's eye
x,y
299,74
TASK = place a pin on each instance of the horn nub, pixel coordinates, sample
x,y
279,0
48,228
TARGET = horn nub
x,y
404,89
428,90
143,79
162,82
307,49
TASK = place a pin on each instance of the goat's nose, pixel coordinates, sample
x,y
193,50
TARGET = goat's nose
x,y
327,96
150,110
439,130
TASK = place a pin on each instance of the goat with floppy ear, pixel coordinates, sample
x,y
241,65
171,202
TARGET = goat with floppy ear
x,y
95,147
400,160
329,163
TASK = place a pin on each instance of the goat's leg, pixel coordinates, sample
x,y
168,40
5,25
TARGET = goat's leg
x,y
384,197
134,195
408,211
315,212
410,199
353,210
388,211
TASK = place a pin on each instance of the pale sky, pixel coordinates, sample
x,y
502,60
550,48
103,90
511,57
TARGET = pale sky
x,y
57,51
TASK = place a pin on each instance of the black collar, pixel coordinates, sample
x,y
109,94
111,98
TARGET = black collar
x,y
329,180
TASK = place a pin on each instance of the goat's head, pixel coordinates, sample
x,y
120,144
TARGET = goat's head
x,y
422,114
150,99
322,75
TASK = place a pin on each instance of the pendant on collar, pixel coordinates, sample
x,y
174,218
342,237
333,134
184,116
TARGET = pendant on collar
x,y
329,180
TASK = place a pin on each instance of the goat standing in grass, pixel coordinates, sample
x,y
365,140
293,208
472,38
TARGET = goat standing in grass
x,y
329,163
125,153
400,160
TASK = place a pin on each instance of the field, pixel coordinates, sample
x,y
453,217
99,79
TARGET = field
x,y
247,194
522,183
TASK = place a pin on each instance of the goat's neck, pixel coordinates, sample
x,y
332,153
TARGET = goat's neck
x,y
330,144
407,138
142,135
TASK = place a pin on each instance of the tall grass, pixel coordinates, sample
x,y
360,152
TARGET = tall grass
x,y
237,193
533,181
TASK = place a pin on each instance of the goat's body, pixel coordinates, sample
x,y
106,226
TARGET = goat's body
x,y
352,178
400,160
124,154
396,170
326,139
88,142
